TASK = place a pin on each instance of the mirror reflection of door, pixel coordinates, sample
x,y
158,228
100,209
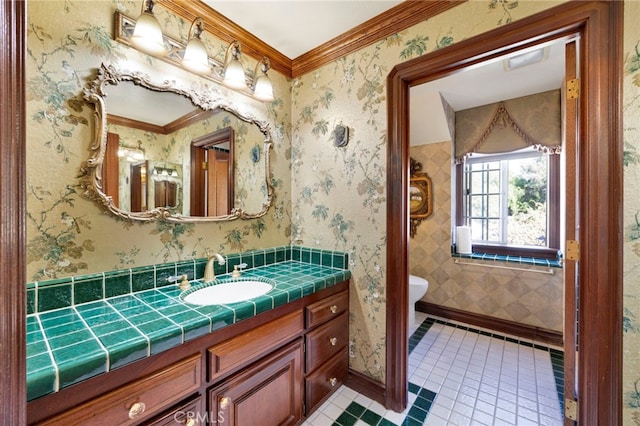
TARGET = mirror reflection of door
x,y
212,166
138,185
110,165
165,194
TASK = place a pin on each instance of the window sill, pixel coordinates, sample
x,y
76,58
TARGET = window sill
x,y
520,260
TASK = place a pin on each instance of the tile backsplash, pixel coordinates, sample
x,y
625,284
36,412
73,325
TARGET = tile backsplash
x,y
59,293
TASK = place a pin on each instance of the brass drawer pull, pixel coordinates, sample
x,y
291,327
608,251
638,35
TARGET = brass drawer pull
x,y
333,341
333,309
224,402
136,410
333,381
190,422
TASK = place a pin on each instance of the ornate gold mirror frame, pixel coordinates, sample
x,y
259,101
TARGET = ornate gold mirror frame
x,y
420,196
92,179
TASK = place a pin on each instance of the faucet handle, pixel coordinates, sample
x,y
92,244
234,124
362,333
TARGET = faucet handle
x,y
236,270
174,278
184,284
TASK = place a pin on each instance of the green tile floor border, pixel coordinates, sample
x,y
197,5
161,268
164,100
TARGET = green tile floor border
x,y
65,292
557,364
420,408
415,416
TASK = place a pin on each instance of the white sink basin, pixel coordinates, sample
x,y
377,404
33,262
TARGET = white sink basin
x,y
227,291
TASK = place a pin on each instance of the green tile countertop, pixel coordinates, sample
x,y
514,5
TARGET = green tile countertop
x,y
70,344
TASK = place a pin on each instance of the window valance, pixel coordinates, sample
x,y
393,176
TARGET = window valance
x,y
506,126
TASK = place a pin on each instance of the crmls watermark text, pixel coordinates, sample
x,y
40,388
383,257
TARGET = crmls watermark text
x,y
200,418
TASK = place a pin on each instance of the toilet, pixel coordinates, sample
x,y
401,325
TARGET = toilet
x,y
417,289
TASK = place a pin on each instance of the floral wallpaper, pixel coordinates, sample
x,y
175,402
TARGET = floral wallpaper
x,y
67,234
339,199
325,196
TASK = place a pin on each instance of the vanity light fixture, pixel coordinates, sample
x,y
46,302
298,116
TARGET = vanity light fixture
x,y
233,72
195,56
147,34
130,154
165,171
262,87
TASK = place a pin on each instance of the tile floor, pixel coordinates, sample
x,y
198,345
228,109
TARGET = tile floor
x,y
462,375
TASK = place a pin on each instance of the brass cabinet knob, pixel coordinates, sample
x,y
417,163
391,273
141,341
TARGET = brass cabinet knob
x,y
136,410
333,381
224,402
333,309
333,341
190,422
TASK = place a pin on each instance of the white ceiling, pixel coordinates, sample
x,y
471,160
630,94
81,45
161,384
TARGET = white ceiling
x,y
294,27
481,85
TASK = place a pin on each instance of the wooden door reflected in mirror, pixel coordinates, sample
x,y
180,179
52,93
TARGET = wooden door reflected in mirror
x,y
138,182
212,177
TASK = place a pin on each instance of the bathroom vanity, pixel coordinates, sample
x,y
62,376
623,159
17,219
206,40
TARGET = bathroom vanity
x,y
273,368
270,360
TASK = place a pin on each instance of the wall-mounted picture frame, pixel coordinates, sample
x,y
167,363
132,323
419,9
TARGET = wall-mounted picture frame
x,y
420,196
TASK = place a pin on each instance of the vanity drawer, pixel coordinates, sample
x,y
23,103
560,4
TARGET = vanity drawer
x,y
138,400
326,340
190,413
328,308
326,379
231,354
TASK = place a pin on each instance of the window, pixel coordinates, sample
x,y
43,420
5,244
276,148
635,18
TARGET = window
x,y
511,203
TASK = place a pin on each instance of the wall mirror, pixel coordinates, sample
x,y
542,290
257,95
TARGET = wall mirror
x,y
420,196
163,152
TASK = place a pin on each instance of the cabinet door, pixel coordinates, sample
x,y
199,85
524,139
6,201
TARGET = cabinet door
x,y
267,393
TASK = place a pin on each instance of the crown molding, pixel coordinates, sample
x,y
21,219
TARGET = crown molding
x,y
396,19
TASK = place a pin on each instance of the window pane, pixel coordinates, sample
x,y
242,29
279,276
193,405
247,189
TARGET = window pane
x,y
494,231
528,201
477,182
478,206
506,202
494,181
477,229
494,205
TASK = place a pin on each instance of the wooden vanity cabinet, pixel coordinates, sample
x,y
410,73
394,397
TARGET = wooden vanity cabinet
x,y
139,400
327,348
271,369
188,413
269,392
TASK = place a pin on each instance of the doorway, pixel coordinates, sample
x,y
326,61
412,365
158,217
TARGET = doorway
x,y
599,27
212,173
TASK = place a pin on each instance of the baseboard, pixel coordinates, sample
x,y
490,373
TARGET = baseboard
x,y
538,334
366,386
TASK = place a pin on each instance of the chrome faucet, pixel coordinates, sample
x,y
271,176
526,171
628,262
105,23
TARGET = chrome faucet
x,y
209,275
